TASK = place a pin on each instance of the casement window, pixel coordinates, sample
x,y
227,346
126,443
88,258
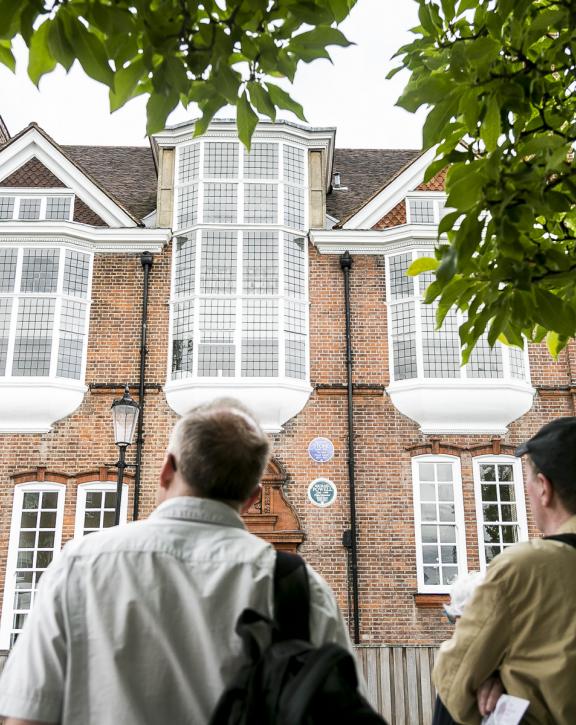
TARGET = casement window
x,y
500,505
420,351
239,303
425,208
44,307
96,506
36,207
35,537
439,522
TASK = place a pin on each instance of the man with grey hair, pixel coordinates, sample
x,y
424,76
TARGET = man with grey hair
x,y
136,624
518,631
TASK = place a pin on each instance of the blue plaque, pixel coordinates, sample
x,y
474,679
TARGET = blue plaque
x,y
321,450
322,492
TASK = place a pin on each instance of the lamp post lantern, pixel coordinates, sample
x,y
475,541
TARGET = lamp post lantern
x,y
124,417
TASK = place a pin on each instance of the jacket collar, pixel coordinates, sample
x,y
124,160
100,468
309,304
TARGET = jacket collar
x,y
203,510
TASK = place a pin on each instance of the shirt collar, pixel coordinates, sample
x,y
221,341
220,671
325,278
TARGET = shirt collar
x,y
205,510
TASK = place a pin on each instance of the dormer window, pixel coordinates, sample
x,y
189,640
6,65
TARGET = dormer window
x,y
425,208
35,207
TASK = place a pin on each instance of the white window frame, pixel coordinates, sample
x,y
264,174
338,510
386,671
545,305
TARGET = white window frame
x,y
240,228
438,200
417,301
10,580
104,486
59,298
520,502
459,524
20,194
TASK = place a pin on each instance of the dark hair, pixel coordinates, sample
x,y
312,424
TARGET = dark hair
x,y
566,492
220,450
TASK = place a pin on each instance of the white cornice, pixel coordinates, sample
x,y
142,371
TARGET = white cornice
x,y
392,194
33,144
374,241
97,239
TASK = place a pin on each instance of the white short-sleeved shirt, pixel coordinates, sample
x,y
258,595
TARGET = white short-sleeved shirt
x,y
135,624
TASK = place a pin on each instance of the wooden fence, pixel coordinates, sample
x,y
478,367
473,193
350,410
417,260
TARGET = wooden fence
x,y
399,681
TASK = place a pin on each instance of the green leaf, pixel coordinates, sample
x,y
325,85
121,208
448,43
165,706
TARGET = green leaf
x,y
40,60
465,193
9,16
246,119
158,109
281,99
58,42
490,127
422,264
447,222
261,100
6,55
125,82
320,37
553,343
90,52
437,120
553,313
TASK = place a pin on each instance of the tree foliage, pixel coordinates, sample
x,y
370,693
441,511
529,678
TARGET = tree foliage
x,y
499,79
211,52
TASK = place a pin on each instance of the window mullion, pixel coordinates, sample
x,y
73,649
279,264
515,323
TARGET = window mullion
x,y
505,355
281,309
15,308
239,298
418,326
197,303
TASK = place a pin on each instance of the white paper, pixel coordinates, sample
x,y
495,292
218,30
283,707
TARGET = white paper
x,y
508,711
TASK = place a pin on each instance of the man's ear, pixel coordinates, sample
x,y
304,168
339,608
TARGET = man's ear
x,y
168,471
545,490
254,496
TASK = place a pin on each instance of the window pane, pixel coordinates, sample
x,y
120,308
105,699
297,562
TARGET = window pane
x,y
449,574
294,266
293,164
216,352
27,540
517,369
295,340
294,207
92,519
76,274
444,471
218,262
110,499
487,472
25,560
49,500
427,492
220,203
446,512
185,269
505,473
221,160
499,511
29,209
404,341
71,343
508,512
48,520
40,270
188,163
6,305
426,471
421,211
46,539
491,551
58,207
187,206
429,534
445,492
490,513
28,519
447,534
440,348
182,341
7,207
491,534
22,600
260,203
260,263
506,492
259,338
33,344
510,534
262,161
93,499
431,575
448,554
485,361
428,512
8,258
30,500
430,554
43,558
400,284
24,579
489,492
108,519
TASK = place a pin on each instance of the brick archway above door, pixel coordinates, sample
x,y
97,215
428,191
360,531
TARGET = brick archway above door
x,y
272,517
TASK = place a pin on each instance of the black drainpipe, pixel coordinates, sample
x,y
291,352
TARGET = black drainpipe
x,y
146,261
352,540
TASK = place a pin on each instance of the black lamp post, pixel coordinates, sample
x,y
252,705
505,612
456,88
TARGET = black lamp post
x,y
124,417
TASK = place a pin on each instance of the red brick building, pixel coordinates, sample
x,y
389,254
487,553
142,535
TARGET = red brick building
x,y
245,291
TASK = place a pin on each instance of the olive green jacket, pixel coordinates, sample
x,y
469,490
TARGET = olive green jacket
x,y
520,621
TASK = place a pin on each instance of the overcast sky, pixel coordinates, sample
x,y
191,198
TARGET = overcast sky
x,y
352,94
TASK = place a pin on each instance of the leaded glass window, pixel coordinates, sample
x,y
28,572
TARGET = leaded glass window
x,y
43,311
426,208
419,350
51,207
500,506
240,288
439,521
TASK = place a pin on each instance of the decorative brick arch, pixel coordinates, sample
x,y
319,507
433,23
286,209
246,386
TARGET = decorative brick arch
x,y
272,517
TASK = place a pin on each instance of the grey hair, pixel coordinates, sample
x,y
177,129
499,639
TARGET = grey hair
x,y
461,591
220,450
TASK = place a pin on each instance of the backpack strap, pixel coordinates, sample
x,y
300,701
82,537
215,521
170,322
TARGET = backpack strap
x,y
291,597
565,538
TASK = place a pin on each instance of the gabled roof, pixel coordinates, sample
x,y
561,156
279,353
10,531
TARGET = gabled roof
x,y
364,172
127,172
34,142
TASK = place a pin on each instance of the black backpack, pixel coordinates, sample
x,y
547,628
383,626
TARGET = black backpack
x,y
287,681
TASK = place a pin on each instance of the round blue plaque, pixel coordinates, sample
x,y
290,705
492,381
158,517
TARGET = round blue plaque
x,y
322,492
321,450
